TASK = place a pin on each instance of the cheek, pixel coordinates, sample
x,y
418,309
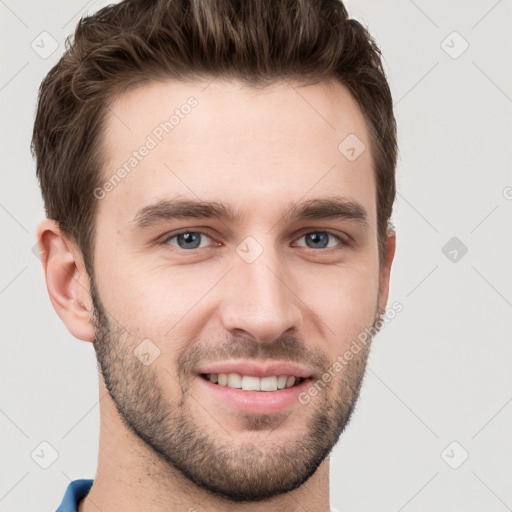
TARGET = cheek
x,y
345,299
156,301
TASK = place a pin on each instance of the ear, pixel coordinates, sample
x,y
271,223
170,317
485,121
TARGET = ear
x,y
385,270
67,281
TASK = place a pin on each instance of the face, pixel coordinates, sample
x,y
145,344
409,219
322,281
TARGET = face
x,y
272,276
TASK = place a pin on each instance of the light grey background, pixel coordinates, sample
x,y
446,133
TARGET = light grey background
x,y
439,372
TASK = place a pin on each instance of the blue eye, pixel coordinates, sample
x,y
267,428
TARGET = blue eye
x,y
319,239
187,240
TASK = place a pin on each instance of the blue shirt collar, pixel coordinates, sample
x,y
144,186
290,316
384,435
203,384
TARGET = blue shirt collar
x,y
76,491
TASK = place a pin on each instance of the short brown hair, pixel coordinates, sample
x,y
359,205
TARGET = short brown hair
x,y
254,41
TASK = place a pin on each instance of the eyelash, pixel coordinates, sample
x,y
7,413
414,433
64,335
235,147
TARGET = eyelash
x,y
342,244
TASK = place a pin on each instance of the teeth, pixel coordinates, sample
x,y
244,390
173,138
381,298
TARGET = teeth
x,y
249,383
281,381
269,384
234,380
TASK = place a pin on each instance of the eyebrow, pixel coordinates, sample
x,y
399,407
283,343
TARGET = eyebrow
x,y
314,209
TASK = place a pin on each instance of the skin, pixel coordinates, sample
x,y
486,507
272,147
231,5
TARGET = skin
x,y
165,443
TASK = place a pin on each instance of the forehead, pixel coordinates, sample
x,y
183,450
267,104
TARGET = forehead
x,y
223,141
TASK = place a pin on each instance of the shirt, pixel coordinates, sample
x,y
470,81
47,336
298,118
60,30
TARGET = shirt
x,y
76,491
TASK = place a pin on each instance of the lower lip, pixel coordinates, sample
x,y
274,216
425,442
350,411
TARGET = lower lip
x,y
257,402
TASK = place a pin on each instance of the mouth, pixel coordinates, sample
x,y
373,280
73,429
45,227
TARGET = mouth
x,y
253,387
250,394
271,383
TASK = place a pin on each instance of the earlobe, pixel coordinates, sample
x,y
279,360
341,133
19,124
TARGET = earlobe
x,y
67,281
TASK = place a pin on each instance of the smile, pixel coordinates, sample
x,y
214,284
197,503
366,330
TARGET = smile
x,y
252,383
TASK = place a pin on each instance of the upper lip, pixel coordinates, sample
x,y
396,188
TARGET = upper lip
x,y
255,369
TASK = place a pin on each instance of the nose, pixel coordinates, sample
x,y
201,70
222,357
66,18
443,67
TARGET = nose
x,y
258,299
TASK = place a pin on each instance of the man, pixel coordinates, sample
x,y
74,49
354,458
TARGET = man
x,y
218,179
